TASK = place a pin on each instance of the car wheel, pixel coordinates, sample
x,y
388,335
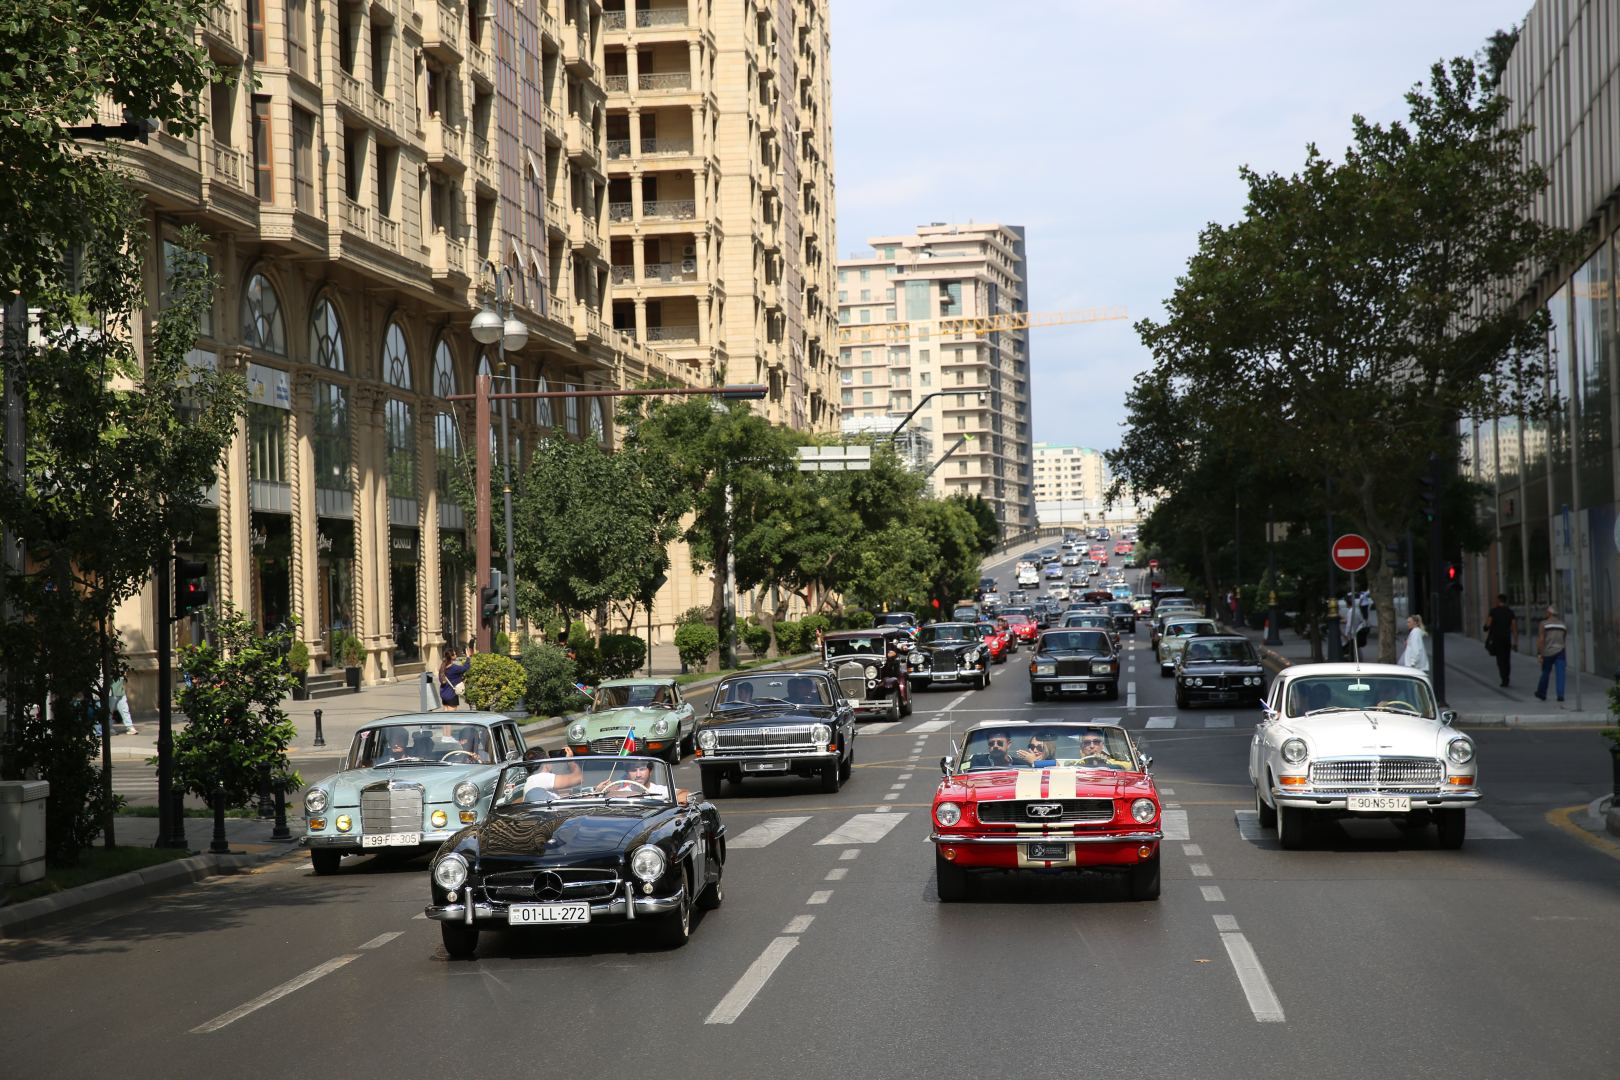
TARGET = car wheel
x,y
831,777
673,754
1113,690
325,860
905,706
847,766
1267,812
950,880
1293,827
460,940
1453,826
711,783
712,897
894,712
1181,699
675,929
1145,879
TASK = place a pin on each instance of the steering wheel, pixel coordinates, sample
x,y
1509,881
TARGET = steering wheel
x,y
642,789
1398,706
468,754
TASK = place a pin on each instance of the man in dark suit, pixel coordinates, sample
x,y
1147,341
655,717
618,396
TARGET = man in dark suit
x,y
1501,634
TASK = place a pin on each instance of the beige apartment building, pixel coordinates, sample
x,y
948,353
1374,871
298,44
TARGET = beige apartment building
x,y
1071,484
972,389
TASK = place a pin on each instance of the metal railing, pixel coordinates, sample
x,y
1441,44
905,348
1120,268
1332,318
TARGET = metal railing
x,y
661,17
620,211
622,273
672,209
685,270
654,146
616,84
666,81
618,148
613,20
672,333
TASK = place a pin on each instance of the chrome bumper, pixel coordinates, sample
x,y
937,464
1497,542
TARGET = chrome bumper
x,y
351,842
1051,838
1427,800
622,906
712,759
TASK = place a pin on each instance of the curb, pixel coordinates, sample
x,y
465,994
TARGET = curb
x,y
33,914
1530,720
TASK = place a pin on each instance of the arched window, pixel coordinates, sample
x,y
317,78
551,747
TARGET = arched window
x,y
326,337
543,406
446,435
444,370
598,420
396,358
262,324
571,412
399,417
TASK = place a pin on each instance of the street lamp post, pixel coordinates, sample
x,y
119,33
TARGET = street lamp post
x,y
1274,612
504,330
925,399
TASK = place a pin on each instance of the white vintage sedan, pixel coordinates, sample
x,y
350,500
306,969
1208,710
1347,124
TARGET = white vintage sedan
x,y
1360,739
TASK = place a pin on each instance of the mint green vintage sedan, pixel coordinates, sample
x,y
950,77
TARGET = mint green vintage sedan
x,y
663,721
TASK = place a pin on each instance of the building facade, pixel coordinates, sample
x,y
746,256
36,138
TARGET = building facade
x,y
1555,474
1071,484
971,391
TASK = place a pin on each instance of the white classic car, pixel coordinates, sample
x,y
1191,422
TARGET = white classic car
x,y
1360,739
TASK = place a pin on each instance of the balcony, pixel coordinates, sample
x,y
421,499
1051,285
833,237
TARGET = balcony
x,y
556,217
581,138
229,166
351,94
446,145
659,18
680,335
584,233
385,233
577,53
616,84
481,63
223,27
670,273
587,322
673,147
442,29
557,308
355,219
448,259
381,111
618,149
548,27
668,82
483,163
669,210
621,212
622,273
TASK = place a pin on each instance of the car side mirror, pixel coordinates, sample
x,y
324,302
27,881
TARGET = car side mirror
x,y
1147,762
945,766
1448,716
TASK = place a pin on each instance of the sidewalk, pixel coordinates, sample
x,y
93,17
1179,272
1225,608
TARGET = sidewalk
x,y
1472,685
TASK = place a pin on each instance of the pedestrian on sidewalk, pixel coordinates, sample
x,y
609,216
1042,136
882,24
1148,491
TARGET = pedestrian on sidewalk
x,y
118,702
1501,635
1550,642
1417,648
451,672
1355,627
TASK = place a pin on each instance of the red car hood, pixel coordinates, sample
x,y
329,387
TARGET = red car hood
x,y
1004,784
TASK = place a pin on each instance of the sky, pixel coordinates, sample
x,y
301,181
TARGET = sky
x,y
1113,132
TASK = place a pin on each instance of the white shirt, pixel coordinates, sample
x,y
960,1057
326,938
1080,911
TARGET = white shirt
x,y
1417,653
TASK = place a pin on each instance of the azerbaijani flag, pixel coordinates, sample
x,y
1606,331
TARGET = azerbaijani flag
x,y
629,743
582,688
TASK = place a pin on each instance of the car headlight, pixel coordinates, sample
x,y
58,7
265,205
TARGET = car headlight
x,y
916,659
314,801
821,733
1045,667
344,823
971,655
450,872
1144,810
947,814
1460,751
1294,751
466,794
1102,667
706,740
440,819
647,863
576,733
660,727
1195,681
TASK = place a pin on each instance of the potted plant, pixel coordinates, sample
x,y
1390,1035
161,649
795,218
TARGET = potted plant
x,y
298,665
353,655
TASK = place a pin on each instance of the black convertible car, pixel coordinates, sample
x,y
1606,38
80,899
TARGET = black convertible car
x,y
778,723
573,841
1216,668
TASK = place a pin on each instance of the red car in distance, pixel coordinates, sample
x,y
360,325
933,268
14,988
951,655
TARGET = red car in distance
x,y
1024,627
1099,552
1046,796
998,639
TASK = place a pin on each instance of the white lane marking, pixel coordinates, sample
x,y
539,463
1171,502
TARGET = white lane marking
x,y
884,809
904,776
1201,870
1481,826
766,832
1212,894
1110,719
1161,722
753,980
1167,791
1226,924
1130,695
1192,850
891,796
955,701
1172,806
1175,825
271,996
837,873
420,915
849,854
382,939
1252,977
798,924
932,725
862,829
1248,824
878,729
897,787
820,896
1219,721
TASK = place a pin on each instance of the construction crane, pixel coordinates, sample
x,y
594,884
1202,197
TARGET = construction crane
x,y
970,325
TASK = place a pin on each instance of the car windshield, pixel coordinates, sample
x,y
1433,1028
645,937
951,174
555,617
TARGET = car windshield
x,y
1221,652
1101,621
1074,641
942,635
621,697
1188,629
777,689
584,780
1062,746
420,744
1398,693
855,646
965,613
897,618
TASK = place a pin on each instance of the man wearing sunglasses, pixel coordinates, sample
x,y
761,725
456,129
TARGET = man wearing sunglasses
x,y
1094,753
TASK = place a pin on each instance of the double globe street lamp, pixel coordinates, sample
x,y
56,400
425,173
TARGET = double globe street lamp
x,y
507,333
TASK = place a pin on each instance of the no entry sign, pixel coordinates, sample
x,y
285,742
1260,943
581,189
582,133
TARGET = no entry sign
x,y
1352,553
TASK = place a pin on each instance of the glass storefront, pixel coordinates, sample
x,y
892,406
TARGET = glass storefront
x,y
336,601
272,570
402,584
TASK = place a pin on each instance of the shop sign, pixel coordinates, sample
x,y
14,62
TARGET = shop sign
x,y
269,386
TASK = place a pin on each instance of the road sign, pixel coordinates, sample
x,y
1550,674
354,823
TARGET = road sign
x,y
1352,553
1153,564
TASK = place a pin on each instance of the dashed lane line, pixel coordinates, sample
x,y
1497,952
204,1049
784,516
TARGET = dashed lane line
x,y
820,896
1262,998
1175,825
931,725
1219,721
798,924
270,997
1212,894
1201,870
744,990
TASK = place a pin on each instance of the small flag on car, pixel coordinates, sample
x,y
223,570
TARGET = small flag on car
x,y
582,688
629,743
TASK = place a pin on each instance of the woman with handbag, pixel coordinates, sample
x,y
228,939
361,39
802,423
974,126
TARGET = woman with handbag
x,y
451,672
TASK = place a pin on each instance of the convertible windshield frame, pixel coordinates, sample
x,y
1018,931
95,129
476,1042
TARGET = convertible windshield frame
x,y
577,780
1120,753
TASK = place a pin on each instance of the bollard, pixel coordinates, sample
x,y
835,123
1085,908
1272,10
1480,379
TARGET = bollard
x,y
281,832
320,739
267,808
220,845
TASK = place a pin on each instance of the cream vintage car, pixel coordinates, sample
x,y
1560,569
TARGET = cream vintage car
x,y
1360,739
1173,638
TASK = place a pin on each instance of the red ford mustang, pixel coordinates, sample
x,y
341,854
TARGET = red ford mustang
x,y
998,639
1023,626
1046,796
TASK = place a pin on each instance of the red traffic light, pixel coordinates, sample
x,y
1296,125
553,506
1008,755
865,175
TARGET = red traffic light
x,y
935,603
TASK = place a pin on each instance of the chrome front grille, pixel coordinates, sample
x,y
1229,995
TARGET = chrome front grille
x,y
1013,811
788,737
396,809
1377,774
1073,667
610,745
529,886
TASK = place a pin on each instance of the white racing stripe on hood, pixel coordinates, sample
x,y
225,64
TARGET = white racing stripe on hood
x,y
1029,784
1062,783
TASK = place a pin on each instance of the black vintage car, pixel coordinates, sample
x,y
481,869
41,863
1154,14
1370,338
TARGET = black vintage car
x,y
870,668
777,723
1215,668
574,841
947,654
1124,614
1074,662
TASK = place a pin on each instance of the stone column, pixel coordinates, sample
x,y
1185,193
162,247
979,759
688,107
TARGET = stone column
x,y
304,571
363,403
234,581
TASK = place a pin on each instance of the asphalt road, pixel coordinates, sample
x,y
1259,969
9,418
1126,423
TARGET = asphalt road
x,y
1372,955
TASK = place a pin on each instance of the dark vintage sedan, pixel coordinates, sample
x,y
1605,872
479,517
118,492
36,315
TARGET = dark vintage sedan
x,y
870,668
1124,613
950,653
1218,668
778,723
574,841
1074,662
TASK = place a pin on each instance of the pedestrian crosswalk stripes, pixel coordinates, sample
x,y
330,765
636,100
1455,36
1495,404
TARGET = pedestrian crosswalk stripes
x,y
930,725
765,833
1161,722
878,729
862,829
1218,721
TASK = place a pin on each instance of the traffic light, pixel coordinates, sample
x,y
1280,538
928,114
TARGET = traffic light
x,y
1429,492
1453,577
190,587
1395,559
491,597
